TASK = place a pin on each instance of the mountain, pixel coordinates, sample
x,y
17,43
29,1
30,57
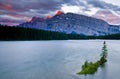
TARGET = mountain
x,y
36,22
71,23
114,29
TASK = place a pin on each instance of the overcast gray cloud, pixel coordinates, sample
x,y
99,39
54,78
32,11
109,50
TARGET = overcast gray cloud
x,y
25,9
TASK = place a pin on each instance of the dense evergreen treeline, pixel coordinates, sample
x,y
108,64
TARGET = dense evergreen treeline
x,y
19,33
112,36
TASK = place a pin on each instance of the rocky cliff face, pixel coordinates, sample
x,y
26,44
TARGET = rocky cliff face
x,y
73,23
36,22
113,29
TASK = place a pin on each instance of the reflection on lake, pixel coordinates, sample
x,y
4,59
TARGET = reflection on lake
x,y
56,59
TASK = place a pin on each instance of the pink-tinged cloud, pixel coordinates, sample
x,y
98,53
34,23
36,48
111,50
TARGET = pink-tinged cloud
x,y
7,7
28,19
23,9
23,17
108,17
14,19
9,22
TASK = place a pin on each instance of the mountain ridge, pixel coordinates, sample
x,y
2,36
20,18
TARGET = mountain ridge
x,y
71,23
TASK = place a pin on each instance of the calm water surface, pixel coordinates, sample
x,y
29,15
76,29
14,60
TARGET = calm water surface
x,y
56,59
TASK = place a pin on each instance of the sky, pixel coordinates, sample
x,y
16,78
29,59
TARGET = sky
x,y
14,12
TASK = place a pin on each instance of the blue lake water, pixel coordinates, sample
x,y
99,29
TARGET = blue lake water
x,y
56,59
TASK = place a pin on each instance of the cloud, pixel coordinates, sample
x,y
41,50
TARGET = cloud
x,y
103,5
70,8
25,8
114,2
6,7
9,21
108,16
28,8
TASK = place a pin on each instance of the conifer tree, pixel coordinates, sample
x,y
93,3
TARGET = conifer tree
x,y
103,54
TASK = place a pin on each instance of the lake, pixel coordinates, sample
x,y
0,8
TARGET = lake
x,y
56,59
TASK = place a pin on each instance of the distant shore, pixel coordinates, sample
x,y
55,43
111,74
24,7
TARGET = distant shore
x,y
27,34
